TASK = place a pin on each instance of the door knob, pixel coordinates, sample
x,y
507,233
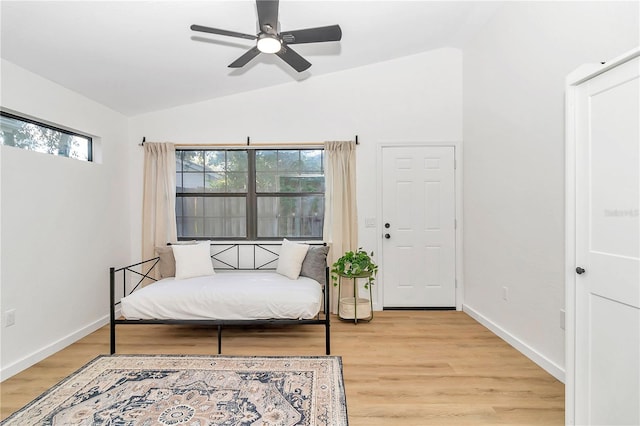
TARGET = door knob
x,y
387,236
580,270
387,225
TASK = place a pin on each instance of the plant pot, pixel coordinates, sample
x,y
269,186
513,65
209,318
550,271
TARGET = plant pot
x,y
348,305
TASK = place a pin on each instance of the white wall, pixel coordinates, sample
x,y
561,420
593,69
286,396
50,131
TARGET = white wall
x,y
514,73
64,223
412,99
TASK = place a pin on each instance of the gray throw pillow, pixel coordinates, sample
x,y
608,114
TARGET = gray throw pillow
x,y
167,263
315,263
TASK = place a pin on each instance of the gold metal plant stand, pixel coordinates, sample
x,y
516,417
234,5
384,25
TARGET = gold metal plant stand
x,y
356,299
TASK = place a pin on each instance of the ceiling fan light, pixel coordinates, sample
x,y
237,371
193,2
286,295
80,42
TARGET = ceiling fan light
x,y
269,44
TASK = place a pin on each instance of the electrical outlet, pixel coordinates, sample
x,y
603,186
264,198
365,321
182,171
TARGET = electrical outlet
x,y
562,319
10,318
505,293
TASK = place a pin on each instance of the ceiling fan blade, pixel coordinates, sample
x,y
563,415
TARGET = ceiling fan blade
x,y
222,32
312,35
267,15
292,58
244,59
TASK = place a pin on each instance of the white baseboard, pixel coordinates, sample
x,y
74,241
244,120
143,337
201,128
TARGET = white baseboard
x,y
39,355
545,363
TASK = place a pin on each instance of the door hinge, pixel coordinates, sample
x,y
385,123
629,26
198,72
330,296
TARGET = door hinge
x,y
455,223
455,164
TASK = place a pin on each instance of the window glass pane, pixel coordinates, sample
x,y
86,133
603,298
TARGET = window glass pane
x,y
179,206
266,182
291,171
189,212
312,216
237,181
266,160
214,207
33,136
179,215
179,226
272,182
289,183
215,161
192,182
237,161
192,206
288,222
192,161
179,187
193,227
179,155
289,161
236,214
226,182
267,217
226,171
311,160
226,217
301,217
312,183
214,182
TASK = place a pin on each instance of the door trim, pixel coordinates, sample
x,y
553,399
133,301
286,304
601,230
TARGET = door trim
x,y
572,83
457,149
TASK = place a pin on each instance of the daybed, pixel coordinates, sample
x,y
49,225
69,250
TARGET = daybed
x,y
249,283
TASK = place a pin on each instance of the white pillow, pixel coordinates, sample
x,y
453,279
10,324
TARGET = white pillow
x,y
193,260
291,258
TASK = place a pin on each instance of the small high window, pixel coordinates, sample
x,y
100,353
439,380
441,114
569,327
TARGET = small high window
x,y
35,136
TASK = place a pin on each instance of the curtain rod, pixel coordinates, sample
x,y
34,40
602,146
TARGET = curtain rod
x,y
144,139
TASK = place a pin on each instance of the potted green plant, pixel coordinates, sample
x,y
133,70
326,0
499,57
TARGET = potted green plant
x,y
356,264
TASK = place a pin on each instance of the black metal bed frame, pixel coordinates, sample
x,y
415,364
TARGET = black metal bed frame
x,y
221,261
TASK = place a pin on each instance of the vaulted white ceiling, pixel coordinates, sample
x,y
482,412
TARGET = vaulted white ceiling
x,y
141,56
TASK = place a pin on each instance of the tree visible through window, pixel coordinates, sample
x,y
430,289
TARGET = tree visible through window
x,y
34,136
250,194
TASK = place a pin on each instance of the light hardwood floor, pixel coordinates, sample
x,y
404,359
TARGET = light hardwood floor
x,y
413,368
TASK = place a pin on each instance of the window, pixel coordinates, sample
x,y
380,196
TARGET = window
x,y
250,194
32,135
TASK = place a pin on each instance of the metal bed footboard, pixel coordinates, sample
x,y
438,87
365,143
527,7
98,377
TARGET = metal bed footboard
x,y
220,257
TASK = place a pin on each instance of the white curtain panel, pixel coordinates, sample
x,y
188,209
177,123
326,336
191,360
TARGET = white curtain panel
x,y
340,214
159,197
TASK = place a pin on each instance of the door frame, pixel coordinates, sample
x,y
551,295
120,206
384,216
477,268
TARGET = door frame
x,y
457,150
572,86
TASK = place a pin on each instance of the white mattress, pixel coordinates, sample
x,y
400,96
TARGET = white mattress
x,y
228,295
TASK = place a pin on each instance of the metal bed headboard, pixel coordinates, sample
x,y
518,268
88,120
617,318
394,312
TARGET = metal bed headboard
x,y
248,256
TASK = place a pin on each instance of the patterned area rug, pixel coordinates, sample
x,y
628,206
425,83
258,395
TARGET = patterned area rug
x,y
194,390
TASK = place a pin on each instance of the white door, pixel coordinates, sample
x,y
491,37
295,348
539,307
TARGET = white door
x,y
607,321
418,196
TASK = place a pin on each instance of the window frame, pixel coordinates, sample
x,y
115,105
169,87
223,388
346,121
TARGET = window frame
x,y
56,129
251,195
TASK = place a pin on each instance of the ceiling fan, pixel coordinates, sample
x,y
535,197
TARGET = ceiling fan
x,y
269,40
